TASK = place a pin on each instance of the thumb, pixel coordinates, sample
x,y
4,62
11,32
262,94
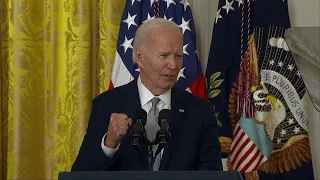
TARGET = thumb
x,y
129,121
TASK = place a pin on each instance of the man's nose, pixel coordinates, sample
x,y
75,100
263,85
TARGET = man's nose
x,y
172,64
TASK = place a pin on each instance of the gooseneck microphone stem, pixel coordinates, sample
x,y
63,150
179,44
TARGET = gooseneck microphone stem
x,y
137,132
162,137
160,147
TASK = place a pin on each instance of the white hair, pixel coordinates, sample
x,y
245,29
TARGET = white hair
x,y
143,32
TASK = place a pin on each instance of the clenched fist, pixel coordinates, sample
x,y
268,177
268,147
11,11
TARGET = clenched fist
x,y
118,126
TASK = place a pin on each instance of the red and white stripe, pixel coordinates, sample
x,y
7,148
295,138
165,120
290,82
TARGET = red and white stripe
x,y
244,154
120,73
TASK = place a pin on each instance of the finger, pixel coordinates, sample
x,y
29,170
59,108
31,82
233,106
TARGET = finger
x,y
121,127
116,126
113,123
113,117
124,122
115,129
122,116
125,127
119,118
129,121
114,114
119,115
122,131
119,134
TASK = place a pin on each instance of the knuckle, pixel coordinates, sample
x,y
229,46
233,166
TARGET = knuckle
x,y
112,118
113,124
123,116
113,115
118,134
122,133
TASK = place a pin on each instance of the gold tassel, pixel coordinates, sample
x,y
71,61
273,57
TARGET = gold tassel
x,y
254,69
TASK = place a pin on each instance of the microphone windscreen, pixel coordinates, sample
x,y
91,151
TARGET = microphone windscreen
x,y
142,115
165,114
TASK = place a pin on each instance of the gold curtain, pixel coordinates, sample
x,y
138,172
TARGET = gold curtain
x,y
56,55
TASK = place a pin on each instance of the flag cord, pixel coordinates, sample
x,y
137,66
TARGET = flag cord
x,y
245,105
249,108
240,75
156,8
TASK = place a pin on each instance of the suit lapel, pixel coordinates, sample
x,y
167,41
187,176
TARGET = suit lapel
x,y
131,105
132,101
179,114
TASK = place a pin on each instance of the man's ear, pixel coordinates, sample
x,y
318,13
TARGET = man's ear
x,y
139,57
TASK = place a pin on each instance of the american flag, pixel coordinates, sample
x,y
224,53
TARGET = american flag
x,y
250,146
137,12
222,70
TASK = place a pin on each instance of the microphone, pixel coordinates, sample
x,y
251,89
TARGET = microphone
x,y
163,135
137,132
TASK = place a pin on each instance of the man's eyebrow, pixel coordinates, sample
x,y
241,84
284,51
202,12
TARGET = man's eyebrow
x,y
164,52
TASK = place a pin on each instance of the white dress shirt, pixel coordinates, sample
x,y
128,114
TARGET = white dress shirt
x,y
145,101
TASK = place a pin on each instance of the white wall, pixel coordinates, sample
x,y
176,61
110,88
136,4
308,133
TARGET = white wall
x,y
204,13
303,13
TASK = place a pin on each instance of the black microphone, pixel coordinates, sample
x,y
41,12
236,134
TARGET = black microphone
x,y
137,132
163,135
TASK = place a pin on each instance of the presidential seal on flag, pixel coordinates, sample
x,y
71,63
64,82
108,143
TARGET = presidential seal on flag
x,y
259,95
278,91
279,104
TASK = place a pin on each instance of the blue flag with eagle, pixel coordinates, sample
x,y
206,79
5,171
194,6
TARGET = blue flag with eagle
x,y
257,91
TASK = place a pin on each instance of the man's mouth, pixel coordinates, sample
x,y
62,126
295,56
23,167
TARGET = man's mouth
x,y
169,76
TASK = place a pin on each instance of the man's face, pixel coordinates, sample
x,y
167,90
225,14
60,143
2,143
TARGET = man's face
x,y
161,60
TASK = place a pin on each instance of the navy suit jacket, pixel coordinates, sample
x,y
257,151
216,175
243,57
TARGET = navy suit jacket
x,y
194,143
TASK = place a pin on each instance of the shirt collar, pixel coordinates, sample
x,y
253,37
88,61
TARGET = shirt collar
x,y
146,95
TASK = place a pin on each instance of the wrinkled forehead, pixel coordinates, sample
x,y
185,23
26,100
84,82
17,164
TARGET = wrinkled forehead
x,y
170,37
164,32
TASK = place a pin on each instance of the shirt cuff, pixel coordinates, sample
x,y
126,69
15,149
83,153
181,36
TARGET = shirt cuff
x,y
110,152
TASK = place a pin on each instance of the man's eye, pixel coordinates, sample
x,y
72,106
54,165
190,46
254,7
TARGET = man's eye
x,y
179,56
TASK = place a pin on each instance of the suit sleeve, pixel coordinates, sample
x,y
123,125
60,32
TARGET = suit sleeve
x,y
210,152
91,156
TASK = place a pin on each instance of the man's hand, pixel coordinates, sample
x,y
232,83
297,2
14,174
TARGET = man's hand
x,y
118,126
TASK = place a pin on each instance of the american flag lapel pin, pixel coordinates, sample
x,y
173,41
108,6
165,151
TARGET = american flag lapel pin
x,y
181,110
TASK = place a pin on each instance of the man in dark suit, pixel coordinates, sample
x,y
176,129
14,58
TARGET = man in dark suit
x,y
194,145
